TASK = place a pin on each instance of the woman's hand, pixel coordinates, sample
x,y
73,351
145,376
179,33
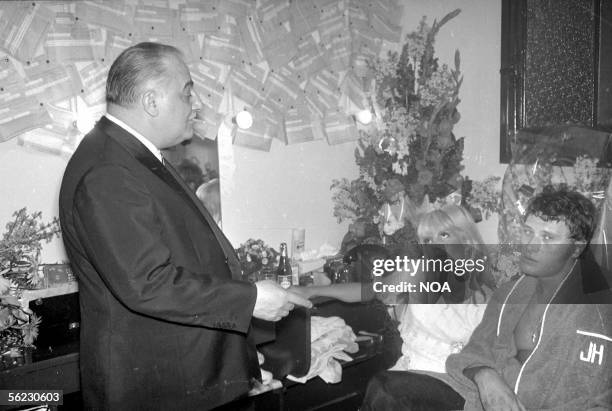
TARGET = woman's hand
x,y
304,292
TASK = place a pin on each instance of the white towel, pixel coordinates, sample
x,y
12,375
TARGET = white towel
x,y
330,337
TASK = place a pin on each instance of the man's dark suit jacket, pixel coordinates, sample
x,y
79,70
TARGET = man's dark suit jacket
x,y
165,318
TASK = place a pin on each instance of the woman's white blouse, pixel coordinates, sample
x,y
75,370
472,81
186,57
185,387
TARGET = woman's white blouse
x,y
431,332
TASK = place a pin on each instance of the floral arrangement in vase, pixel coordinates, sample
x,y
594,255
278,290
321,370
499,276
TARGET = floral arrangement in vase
x,y
256,255
485,195
411,155
20,248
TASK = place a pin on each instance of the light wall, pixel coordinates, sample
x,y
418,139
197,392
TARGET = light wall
x,y
272,192
289,186
31,179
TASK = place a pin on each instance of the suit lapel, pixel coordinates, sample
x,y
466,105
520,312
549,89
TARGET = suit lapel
x,y
171,177
229,251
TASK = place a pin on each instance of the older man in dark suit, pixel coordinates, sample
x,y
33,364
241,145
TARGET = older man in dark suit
x,y
165,316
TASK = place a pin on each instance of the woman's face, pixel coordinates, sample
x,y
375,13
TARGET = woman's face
x,y
442,237
449,240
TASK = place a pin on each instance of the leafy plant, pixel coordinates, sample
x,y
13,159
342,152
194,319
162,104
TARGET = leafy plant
x,y
415,99
20,248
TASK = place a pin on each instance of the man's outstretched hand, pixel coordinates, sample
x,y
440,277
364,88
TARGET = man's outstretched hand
x,y
274,302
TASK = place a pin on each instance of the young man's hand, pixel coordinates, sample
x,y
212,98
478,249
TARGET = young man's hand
x,y
495,394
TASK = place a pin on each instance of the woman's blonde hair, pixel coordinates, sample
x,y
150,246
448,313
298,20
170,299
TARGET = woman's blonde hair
x,y
458,221
455,220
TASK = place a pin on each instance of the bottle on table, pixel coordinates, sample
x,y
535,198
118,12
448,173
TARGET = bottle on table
x,y
283,272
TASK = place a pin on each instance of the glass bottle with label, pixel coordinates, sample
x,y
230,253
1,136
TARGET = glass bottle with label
x,y
283,273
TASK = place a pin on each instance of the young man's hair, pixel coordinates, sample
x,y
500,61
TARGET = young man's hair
x,y
570,207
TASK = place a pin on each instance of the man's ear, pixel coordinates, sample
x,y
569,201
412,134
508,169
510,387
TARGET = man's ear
x,y
579,246
149,103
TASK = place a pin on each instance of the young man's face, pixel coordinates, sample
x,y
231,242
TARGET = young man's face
x,y
547,249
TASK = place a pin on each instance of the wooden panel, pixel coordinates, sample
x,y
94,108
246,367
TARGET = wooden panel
x,y
556,65
604,87
511,72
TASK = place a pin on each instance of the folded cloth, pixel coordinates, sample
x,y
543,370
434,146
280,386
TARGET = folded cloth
x,y
330,337
266,376
268,382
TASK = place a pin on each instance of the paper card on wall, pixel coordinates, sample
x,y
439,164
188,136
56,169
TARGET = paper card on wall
x,y
387,31
318,131
298,125
251,34
210,69
274,12
352,87
69,40
11,91
155,21
290,73
23,28
315,119
366,41
223,48
332,10
304,17
11,83
49,82
236,8
212,121
247,83
281,91
339,128
324,87
156,3
208,88
62,119
21,115
314,105
333,23
93,82
390,11
187,44
339,52
310,58
279,47
255,137
113,15
272,118
358,16
367,46
42,140
360,65
199,16
116,43
228,24
324,4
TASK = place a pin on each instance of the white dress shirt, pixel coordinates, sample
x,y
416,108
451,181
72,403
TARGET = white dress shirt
x,y
150,146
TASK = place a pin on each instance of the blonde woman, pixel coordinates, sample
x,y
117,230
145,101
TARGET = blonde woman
x,y
431,332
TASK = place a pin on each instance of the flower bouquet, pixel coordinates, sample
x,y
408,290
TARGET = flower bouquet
x,y
254,256
20,248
